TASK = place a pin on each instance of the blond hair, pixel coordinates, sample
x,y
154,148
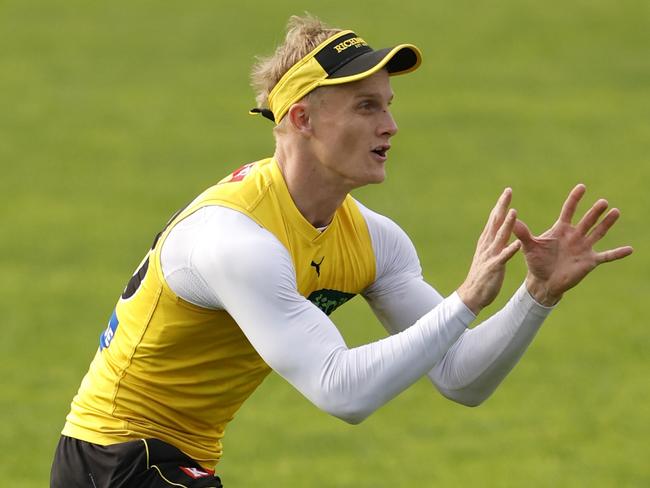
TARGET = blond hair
x,y
303,35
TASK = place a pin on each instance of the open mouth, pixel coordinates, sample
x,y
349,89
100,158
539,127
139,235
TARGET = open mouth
x,y
381,151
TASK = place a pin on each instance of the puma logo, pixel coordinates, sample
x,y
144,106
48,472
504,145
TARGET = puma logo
x,y
317,266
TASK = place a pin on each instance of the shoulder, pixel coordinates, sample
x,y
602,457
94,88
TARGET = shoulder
x,y
383,230
395,254
220,239
377,221
228,234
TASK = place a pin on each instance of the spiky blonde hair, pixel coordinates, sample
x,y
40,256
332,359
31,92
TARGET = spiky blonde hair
x,y
304,33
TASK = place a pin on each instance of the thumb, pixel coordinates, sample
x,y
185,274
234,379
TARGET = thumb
x,y
523,233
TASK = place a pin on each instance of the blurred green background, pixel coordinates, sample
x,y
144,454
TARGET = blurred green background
x,y
115,114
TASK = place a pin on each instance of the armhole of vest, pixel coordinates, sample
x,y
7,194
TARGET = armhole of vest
x,y
354,206
156,251
157,263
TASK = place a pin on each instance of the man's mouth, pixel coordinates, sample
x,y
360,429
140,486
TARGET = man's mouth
x,y
381,150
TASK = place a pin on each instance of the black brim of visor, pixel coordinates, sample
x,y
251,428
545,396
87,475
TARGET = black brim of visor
x,y
402,61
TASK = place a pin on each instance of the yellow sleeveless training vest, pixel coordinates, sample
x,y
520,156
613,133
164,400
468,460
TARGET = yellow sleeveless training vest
x,y
171,370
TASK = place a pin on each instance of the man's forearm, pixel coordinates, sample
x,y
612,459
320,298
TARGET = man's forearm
x,y
483,356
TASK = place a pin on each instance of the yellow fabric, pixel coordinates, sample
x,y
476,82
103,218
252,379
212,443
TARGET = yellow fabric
x,y
299,80
179,372
307,75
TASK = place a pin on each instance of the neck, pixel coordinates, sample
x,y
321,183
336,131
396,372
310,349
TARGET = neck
x,y
316,195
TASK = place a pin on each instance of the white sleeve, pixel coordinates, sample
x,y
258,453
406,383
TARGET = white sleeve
x,y
399,295
250,274
483,356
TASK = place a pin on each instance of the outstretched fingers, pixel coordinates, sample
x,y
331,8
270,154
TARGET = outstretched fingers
x,y
571,203
595,234
604,225
504,232
613,254
592,216
509,251
503,236
498,214
600,231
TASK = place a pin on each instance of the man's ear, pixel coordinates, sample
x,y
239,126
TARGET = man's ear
x,y
299,118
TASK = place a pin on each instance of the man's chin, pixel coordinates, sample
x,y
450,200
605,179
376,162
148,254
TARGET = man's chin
x,y
375,179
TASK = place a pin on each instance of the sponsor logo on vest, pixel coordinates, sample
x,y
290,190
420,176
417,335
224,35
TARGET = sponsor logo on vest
x,y
329,300
241,173
316,265
194,472
355,41
107,336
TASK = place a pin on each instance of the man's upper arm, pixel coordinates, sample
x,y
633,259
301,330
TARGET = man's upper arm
x,y
250,274
399,295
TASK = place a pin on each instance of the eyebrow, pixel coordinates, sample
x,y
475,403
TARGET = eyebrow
x,y
373,95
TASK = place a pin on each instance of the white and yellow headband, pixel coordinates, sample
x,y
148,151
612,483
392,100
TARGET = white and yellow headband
x,y
342,58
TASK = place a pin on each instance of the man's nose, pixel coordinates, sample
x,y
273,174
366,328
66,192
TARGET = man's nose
x,y
388,126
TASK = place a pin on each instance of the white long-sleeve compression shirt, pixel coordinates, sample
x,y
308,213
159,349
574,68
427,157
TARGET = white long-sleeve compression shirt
x,y
218,258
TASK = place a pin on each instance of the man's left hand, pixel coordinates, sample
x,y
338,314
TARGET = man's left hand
x,y
562,256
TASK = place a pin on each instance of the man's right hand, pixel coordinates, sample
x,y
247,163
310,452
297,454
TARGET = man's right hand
x,y
562,256
486,274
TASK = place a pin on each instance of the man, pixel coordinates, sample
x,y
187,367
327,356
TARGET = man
x,y
242,281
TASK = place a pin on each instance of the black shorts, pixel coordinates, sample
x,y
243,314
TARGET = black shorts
x,y
145,463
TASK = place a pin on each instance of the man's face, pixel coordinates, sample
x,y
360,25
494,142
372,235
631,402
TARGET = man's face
x,y
352,126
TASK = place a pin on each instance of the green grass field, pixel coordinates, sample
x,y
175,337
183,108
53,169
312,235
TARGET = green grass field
x,y
115,114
